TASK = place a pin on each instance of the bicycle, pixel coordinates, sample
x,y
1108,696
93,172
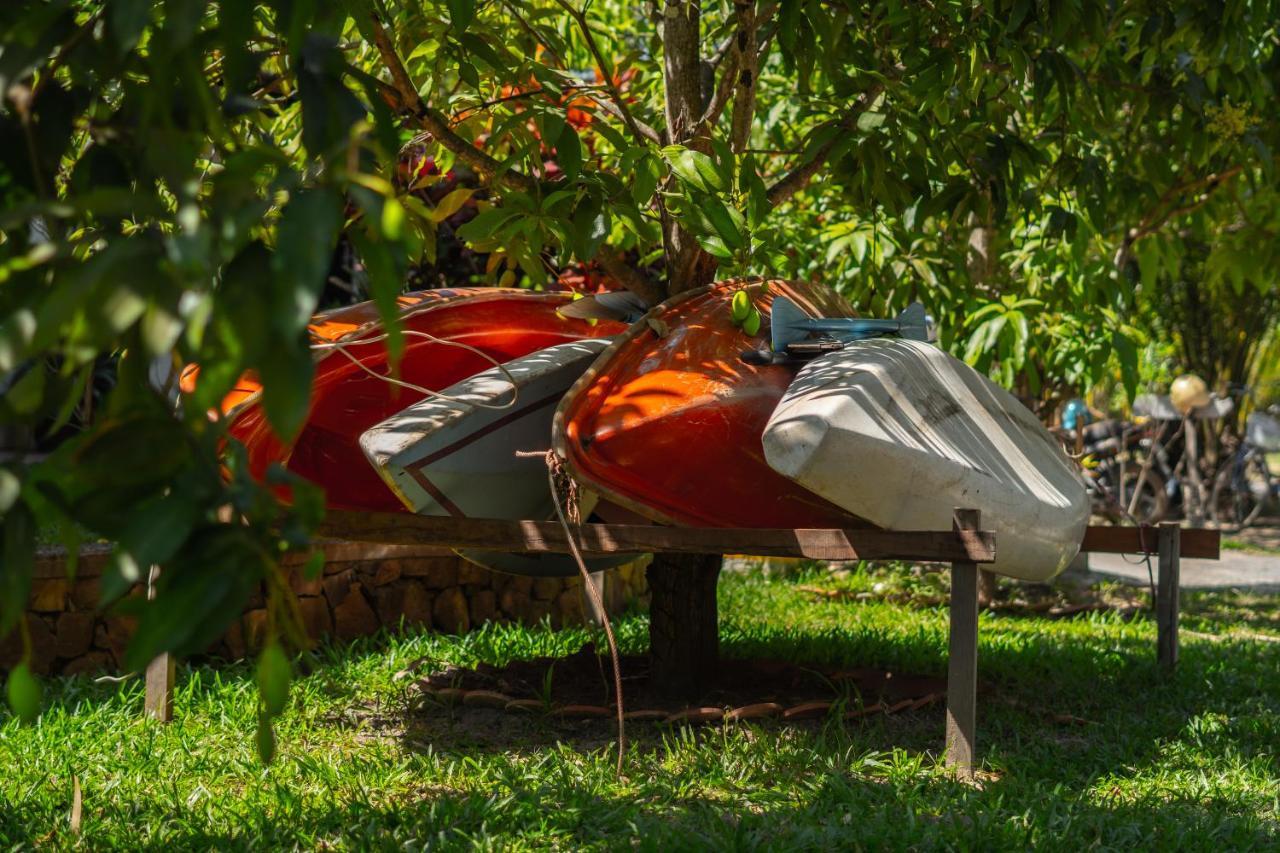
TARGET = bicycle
x,y
1245,484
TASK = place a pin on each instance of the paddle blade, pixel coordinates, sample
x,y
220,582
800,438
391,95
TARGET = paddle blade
x,y
788,323
914,324
620,305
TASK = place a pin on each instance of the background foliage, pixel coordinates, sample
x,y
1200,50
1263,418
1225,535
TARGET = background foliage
x,y
180,180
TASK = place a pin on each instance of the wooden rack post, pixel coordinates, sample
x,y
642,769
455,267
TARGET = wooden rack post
x,y
962,657
1169,538
158,703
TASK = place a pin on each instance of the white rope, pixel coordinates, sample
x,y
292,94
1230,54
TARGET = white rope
x,y
341,348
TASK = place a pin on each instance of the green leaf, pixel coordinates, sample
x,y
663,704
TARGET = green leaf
x,y
645,179
24,693
160,329
695,169
10,488
213,575
727,221
128,19
715,246
569,152
265,739
17,553
451,204
160,526
273,676
329,109
1127,355
590,227
286,372
25,396
869,121
461,13
305,238
314,567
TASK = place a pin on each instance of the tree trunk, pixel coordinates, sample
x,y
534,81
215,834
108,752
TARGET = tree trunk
x,y
684,629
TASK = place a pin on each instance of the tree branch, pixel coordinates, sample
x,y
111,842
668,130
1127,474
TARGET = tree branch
x,y
1164,209
744,97
795,180
606,70
403,95
610,260
724,89
437,124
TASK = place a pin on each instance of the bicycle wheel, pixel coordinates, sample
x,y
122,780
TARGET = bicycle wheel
x,y
1240,491
1152,502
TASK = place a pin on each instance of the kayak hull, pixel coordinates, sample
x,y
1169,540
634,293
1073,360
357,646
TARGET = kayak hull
x,y
901,433
347,399
667,421
460,454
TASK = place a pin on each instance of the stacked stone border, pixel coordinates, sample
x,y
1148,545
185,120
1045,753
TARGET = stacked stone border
x,y
363,589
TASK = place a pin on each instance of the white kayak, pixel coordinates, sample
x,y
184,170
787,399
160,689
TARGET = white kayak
x,y
900,433
457,454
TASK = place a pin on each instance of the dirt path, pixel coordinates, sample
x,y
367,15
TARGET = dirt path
x,y
1257,571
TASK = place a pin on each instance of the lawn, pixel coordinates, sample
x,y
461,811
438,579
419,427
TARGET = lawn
x,y
1083,743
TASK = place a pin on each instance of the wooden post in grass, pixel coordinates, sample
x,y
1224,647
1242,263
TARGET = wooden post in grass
x,y
962,656
160,672
1169,539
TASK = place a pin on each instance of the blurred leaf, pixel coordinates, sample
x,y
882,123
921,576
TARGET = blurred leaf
x,y
10,488
461,13
127,20
265,739
1127,356
569,152
329,109
17,553
197,601
451,204
24,693
305,238
273,677
286,373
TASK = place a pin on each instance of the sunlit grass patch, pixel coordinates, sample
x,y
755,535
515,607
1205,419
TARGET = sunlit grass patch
x,y
1083,742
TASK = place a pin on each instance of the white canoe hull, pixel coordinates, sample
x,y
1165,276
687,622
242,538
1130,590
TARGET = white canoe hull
x,y
901,433
451,457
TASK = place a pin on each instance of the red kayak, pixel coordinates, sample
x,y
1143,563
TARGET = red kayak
x,y
668,420
347,400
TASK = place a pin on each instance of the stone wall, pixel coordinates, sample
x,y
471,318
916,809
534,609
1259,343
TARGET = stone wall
x,y
363,588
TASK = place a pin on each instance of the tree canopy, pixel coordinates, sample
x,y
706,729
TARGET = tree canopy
x,y
175,178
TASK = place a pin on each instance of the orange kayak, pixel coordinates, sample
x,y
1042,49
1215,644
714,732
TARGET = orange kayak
x,y
347,400
668,420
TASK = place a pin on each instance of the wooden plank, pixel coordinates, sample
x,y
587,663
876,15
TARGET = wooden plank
x,y
962,659
160,677
549,537
158,701
1167,594
1196,542
51,562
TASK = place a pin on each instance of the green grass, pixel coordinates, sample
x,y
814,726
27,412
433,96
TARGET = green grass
x,y
1232,544
1186,763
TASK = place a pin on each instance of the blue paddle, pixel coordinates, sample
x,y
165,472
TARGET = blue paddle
x,y
790,324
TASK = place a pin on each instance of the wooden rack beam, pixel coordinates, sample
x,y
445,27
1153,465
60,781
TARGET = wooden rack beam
x,y
974,546
1196,542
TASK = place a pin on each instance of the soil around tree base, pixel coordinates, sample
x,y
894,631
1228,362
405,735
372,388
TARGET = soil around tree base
x,y
581,685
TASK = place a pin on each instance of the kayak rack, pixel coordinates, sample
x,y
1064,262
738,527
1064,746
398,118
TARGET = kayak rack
x,y
966,547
